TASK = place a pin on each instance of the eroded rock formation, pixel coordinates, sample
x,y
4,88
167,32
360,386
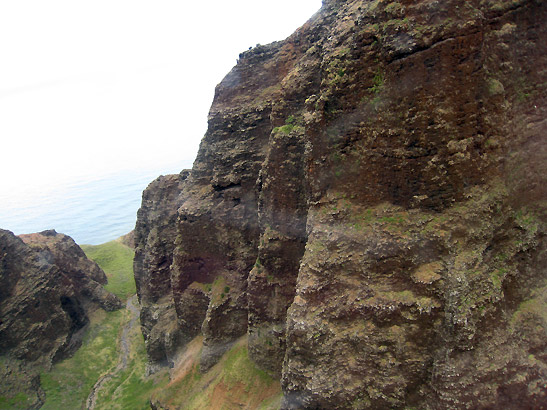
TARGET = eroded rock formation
x,y
48,288
85,276
368,204
155,234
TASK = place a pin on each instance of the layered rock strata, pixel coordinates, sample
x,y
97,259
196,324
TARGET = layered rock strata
x,y
48,288
368,204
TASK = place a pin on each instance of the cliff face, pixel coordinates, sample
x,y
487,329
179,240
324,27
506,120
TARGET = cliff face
x,y
154,240
368,205
48,286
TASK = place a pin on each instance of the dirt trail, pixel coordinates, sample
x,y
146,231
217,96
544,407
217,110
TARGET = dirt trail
x,y
133,309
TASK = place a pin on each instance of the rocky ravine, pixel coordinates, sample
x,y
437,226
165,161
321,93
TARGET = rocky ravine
x,y
369,206
48,288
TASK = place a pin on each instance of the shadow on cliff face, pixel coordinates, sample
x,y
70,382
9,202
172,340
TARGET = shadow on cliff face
x,y
78,322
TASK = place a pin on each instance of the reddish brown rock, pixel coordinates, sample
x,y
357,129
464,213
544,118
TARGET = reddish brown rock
x,y
128,239
368,204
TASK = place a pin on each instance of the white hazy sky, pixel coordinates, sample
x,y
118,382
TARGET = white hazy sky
x,y
94,86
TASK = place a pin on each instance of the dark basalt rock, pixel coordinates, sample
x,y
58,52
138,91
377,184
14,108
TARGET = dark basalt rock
x,y
368,205
86,276
154,238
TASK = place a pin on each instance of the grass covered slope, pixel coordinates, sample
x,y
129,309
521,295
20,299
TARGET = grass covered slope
x,y
70,382
116,259
233,383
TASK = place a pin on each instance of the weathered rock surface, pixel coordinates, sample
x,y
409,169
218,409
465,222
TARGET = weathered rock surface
x,y
48,286
154,238
86,277
369,205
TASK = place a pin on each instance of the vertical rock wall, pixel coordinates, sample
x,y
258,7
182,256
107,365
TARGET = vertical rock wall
x,y
368,204
155,234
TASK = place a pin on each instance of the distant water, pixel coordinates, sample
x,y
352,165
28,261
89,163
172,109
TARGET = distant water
x,y
92,210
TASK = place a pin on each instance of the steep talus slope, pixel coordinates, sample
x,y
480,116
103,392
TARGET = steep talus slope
x,y
48,288
368,205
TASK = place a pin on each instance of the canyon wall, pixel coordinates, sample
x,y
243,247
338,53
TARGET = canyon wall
x,y
368,205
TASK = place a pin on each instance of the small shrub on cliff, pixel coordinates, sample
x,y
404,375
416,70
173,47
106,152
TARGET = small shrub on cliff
x,y
290,124
258,265
377,81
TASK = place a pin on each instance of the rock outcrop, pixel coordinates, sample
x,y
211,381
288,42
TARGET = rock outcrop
x,y
369,206
154,237
85,276
48,288
128,239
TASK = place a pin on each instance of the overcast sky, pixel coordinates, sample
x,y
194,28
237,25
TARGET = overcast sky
x,y
93,86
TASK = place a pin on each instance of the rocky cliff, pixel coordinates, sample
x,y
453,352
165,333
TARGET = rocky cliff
x,y
368,205
48,288
154,239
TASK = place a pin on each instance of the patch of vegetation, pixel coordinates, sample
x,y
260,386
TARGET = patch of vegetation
x,y
69,383
395,8
523,90
116,260
527,221
495,87
218,289
534,307
316,246
130,389
338,68
377,81
234,382
392,219
394,25
497,277
290,124
258,265
17,402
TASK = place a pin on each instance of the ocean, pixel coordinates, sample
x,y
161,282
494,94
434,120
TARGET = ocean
x,y
91,209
